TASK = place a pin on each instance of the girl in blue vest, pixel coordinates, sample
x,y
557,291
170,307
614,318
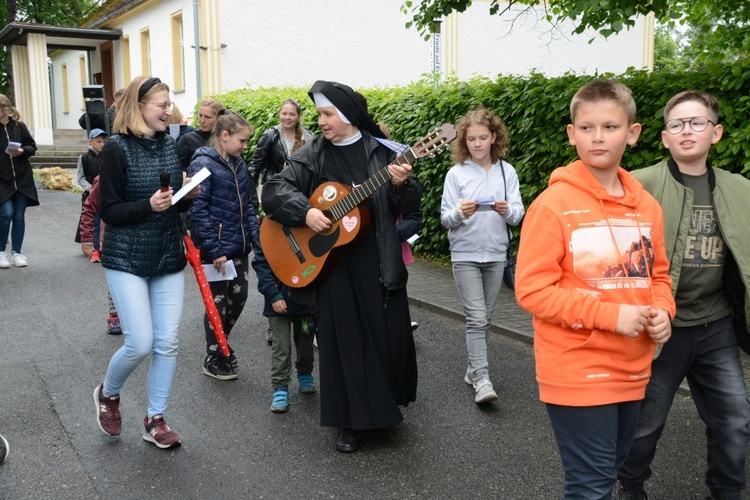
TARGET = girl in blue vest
x,y
142,254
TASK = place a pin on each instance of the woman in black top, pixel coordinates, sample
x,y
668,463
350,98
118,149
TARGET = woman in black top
x,y
142,255
17,189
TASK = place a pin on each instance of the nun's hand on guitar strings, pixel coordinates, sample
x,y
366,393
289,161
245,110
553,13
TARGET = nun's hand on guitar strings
x,y
399,173
316,221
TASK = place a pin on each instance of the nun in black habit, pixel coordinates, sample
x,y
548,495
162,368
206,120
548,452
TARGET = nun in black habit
x,y
368,365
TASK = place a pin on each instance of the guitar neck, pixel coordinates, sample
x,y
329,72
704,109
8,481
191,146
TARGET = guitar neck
x,y
364,190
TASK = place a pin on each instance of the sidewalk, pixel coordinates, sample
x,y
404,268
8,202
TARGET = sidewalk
x,y
431,287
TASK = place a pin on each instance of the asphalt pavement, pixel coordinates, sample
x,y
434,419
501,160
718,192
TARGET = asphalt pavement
x,y
54,351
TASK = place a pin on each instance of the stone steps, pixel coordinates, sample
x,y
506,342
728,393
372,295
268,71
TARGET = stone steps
x,y
68,145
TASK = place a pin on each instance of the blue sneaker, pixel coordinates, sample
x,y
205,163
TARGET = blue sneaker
x,y
280,402
306,383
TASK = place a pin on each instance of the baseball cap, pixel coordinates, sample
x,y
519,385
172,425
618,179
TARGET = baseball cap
x,y
96,133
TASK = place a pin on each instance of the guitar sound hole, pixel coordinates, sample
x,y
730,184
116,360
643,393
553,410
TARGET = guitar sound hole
x,y
321,244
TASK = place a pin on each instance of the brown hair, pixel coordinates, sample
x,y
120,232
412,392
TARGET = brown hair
x,y
129,120
494,124
228,121
12,111
298,143
604,90
704,98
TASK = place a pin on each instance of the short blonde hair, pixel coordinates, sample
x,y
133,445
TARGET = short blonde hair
x,y
177,116
129,120
214,104
604,90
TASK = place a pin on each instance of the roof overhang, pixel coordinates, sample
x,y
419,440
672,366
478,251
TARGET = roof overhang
x,y
58,37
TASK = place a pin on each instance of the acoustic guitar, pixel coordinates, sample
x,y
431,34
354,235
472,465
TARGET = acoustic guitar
x,y
301,257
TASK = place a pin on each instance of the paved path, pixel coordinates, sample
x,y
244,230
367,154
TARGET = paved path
x,y
53,352
431,287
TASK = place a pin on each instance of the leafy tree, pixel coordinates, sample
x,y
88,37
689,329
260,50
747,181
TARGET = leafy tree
x,y
667,52
53,12
719,30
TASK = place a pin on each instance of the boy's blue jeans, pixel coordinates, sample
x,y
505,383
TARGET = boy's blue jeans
x,y
478,285
150,310
593,443
13,210
708,356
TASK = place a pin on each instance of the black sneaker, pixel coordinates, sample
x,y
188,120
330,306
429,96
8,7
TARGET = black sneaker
x,y
621,493
218,367
232,359
269,336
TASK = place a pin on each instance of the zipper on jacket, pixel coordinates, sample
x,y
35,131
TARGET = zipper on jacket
x,y
12,164
221,225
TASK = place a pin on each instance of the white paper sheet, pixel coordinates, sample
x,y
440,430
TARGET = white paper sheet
x,y
485,203
174,130
230,272
12,146
196,179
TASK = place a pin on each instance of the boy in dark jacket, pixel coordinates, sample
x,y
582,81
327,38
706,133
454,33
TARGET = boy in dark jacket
x,y
285,312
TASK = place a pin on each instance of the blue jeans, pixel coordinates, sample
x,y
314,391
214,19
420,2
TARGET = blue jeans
x,y
13,210
478,285
593,443
150,310
708,356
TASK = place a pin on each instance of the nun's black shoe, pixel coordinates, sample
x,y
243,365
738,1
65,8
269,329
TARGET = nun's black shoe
x,y
346,442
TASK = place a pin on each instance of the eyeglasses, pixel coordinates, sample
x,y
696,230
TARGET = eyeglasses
x,y
163,105
4,105
697,124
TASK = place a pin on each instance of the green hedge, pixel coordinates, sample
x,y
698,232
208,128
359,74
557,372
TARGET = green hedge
x,y
535,110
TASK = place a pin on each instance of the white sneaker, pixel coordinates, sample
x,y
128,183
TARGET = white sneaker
x,y
485,392
19,260
4,262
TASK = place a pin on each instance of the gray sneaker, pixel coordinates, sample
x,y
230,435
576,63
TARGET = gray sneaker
x,y
4,262
484,391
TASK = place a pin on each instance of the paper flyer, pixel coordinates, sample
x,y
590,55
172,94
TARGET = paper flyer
x,y
230,272
197,179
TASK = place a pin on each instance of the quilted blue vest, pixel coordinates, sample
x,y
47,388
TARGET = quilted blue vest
x,y
152,246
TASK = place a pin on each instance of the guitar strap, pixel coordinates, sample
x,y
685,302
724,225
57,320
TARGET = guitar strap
x,y
394,146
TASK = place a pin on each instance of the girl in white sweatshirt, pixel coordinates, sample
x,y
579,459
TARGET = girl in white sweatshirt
x,y
480,197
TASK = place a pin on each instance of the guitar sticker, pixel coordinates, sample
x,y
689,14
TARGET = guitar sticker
x,y
350,223
329,193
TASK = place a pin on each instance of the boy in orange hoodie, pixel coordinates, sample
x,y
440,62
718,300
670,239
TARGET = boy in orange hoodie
x,y
592,270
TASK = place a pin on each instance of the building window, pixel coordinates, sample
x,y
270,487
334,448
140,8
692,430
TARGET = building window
x,y
145,52
178,53
66,93
84,77
125,49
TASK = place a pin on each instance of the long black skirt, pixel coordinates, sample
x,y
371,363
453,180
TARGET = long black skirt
x,y
368,365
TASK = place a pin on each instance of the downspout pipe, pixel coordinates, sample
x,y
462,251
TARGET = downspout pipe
x,y
197,44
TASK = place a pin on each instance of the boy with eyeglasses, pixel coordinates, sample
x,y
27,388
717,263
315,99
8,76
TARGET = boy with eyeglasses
x,y
707,234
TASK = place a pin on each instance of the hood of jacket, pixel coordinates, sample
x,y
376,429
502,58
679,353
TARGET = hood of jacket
x,y
578,174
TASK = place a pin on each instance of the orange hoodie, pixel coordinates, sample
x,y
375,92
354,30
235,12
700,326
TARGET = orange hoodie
x,y
583,253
